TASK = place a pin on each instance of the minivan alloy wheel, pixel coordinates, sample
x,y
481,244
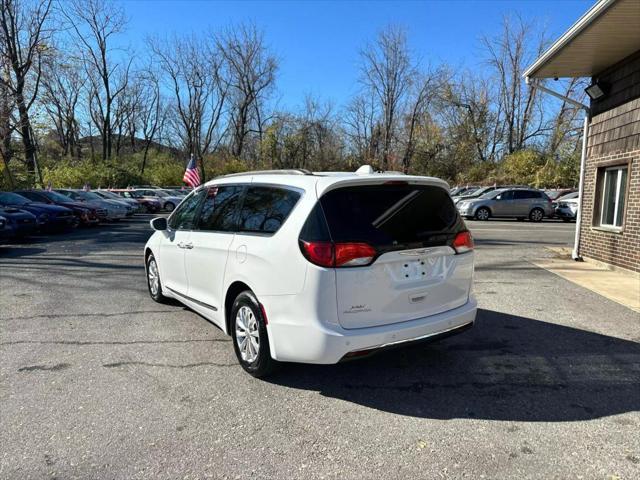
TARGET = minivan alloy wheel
x,y
247,334
154,278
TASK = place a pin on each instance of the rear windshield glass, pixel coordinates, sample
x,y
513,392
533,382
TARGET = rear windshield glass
x,y
391,215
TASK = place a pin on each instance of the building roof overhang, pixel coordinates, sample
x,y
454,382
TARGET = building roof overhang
x,y
607,33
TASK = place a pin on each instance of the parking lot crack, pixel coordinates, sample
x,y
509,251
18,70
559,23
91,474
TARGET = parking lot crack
x,y
168,365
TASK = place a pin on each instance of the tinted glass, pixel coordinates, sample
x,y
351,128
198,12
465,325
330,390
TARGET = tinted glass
x,y
391,215
12,199
55,196
264,209
33,196
524,194
183,217
508,195
219,210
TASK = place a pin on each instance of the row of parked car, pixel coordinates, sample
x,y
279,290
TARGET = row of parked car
x,y
515,201
25,212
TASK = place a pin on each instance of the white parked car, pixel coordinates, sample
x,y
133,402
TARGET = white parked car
x,y
317,268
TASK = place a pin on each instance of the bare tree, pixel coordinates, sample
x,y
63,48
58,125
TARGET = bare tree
x,y
565,124
95,22
361,128
508,55
192,72
23,24
251,72
472,116
7,125
62,84
151,113
427,87
388,71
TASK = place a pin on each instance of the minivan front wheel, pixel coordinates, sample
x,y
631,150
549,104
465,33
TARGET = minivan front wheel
x,y
153,280
250,339
483,214
536,215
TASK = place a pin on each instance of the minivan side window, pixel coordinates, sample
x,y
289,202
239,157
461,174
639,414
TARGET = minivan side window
x,y
264,209
183,217
508,195
522,194
220,208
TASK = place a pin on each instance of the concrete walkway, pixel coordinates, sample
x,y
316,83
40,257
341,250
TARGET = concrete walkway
x,y
617,285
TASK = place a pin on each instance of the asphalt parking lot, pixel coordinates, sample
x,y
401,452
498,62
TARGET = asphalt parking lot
x,y
98,381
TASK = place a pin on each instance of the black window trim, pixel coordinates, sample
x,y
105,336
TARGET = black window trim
x,y
244,186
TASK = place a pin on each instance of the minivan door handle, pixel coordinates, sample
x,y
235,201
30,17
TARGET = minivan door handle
x,y
188,246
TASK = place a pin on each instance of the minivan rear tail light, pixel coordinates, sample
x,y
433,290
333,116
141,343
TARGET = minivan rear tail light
x,y
328,254
463,242
354,254
319,253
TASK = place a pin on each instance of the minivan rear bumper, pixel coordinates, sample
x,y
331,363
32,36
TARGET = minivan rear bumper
x,y
327,344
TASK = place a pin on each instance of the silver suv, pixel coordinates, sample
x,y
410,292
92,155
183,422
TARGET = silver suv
x,y
517,203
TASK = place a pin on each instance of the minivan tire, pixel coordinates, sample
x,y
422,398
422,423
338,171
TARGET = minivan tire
x,y
153,280
482,214
247,318
536,215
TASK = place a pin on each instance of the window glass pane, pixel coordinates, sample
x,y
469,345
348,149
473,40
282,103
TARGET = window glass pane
x,y
621,197
523,194
183,217
387,216
507,195
219,209
609,196
264,209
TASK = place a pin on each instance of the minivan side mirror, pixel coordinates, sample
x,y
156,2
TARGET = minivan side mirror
x,y
159,224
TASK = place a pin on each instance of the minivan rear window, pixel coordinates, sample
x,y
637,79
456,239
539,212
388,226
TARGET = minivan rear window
x,y
391,216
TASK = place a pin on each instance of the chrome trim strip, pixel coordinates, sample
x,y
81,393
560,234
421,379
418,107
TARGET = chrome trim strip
x,y
193,300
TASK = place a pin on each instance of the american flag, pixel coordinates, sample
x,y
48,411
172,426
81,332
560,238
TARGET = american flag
x,y
191,175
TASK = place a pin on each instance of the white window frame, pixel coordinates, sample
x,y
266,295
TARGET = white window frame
x,y
618,172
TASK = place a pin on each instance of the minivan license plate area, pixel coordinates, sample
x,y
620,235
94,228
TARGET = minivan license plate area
x,y
415,269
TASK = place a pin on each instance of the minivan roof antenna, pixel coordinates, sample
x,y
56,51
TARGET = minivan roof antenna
x,y
365,170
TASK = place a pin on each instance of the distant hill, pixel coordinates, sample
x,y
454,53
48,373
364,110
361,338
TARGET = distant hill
x,y
126,145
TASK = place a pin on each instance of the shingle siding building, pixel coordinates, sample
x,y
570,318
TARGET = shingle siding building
x,y
609,226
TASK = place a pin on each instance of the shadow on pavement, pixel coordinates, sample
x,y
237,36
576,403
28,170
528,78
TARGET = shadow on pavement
x,y
506,368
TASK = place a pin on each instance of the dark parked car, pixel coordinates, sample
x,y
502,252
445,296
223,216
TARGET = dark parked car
x,y
84,214
5,229
47,216
19,223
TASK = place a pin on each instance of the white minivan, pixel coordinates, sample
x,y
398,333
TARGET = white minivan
x,y
317,267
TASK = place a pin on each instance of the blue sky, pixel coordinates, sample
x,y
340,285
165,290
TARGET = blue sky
x,y
318,42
